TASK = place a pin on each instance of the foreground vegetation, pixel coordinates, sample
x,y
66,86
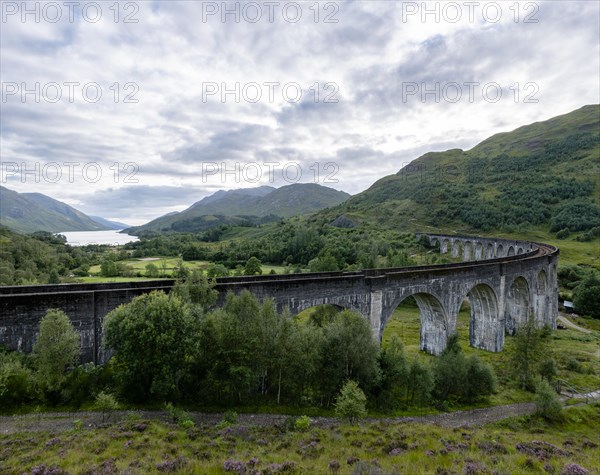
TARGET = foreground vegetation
x,y
513,446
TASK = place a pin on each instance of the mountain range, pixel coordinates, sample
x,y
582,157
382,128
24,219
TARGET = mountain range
x,y
30,212
247,206
544,175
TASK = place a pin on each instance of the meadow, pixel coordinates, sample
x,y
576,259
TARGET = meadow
x,y
137,446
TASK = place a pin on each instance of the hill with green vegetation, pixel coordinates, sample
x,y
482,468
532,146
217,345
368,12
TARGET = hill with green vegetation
x,y
31,212
541,176
246,207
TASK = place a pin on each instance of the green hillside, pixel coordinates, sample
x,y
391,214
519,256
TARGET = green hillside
x,y
541,176
30,212
246,207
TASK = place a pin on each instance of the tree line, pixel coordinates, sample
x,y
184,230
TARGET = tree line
x,y
178,347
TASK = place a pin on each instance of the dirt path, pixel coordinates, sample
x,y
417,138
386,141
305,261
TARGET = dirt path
x,y
570,324
62,421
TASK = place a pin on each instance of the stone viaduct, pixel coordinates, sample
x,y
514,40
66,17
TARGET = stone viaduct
x,y
503,280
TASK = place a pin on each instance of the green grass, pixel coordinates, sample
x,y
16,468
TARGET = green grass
x,y
100,279
129,447
564,345
166,263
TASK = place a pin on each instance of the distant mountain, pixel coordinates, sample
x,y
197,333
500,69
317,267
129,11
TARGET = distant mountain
x,y
30,212
109,224
247,206
546,175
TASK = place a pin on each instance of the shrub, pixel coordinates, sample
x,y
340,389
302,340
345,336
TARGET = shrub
x,y
351,402
105,403
16,380
230,417
574,365
187,424
547,402
302,423
563,233
177,414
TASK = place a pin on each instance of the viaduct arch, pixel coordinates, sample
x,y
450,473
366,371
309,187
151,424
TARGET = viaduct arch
x,y
504,281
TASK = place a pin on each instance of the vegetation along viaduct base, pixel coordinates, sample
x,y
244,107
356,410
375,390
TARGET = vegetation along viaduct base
x,y
505,282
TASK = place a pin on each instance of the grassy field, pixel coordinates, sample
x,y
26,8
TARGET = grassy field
x,y
133,446
164,264
577,354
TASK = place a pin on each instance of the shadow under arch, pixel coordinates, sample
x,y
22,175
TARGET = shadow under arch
x,y
433,334
518,305
485,329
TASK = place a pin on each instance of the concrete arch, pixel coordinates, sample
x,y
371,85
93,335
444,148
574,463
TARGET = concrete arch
x,y
489,251
445,246
434,322
468,251
479,250
511,251
457,248
541,292
485,327
500,251
517,308
520,250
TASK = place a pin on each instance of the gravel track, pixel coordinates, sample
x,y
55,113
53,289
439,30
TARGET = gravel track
x,y
61,421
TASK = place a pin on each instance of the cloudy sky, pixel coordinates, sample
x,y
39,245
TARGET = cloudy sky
x,y
134,109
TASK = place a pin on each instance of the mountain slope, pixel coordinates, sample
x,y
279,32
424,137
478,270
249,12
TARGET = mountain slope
x,y
30,212
546,174
247,206
108,223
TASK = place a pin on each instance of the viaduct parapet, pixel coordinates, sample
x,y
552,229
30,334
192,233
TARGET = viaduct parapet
x,y
504,281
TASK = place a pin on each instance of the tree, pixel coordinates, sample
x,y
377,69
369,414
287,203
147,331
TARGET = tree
x,y
449,371
109,268
586,296
479,380
253,267
348,351
197,289
324,263
53,277
420,383
151,270
394,374
152,337
351,402
56,348
530,348
217,270
180,271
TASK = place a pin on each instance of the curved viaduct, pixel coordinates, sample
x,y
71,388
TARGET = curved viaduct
x,y
504,281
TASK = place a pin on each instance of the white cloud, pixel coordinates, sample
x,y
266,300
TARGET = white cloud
x,y
372,54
